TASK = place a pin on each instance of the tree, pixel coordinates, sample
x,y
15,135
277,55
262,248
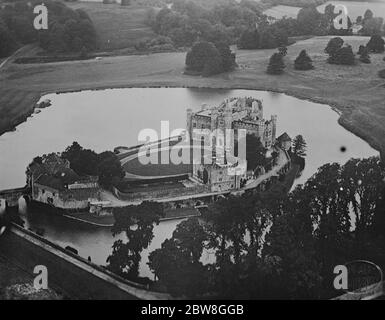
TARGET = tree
x,y
291,243
303,61
109,169
364,55
86,162
82,161
299,146
331,16
191,238
228,58
344,56
209,59
272,37
201,55
126,2
255,152
249,39
282,51
376,44
176,264
372,26
212,67
137,222
334,45
361,49
309,20
363,181
368,15
276,64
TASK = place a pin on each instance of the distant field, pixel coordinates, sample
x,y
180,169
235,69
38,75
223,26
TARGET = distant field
x,y
355,9
118,27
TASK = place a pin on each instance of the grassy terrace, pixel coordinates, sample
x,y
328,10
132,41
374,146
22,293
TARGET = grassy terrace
x,y
357,92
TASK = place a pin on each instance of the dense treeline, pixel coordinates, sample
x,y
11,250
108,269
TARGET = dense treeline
x,y
86,162
68,30
206,58
188,22
279,248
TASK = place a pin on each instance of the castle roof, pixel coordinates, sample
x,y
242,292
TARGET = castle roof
x,y
284,138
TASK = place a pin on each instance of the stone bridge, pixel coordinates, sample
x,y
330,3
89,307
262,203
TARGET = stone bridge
x,y
10,198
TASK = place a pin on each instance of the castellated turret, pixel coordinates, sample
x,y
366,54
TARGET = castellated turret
x,y
189,115
256,110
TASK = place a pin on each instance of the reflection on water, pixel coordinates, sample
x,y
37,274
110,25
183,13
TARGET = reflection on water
x,y
103,120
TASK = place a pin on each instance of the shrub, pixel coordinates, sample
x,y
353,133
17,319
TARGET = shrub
x,y
200,54
364,55
249,40
376,44
360,49
276,64
282,51
303,61
334,44
344,56
209,59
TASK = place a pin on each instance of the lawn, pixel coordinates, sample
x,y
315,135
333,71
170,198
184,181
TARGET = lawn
x,y
136,167
118,26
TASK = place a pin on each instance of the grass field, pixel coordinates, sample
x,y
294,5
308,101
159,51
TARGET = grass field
x,y
117,26
356,91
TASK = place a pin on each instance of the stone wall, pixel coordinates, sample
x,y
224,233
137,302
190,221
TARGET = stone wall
x,y
67,273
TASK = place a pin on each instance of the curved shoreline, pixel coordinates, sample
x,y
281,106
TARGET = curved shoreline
x,y
356,93
342,120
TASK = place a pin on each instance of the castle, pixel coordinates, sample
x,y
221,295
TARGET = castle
x,y
235,113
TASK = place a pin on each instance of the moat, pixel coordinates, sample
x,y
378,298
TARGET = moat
x,y
103,120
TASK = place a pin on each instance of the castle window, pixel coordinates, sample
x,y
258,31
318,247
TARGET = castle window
x,y
42,191
194,125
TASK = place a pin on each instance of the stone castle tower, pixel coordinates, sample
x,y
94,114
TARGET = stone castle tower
x,y
234,113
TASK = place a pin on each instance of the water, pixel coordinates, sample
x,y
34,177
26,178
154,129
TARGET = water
x,y
355,9
103,120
